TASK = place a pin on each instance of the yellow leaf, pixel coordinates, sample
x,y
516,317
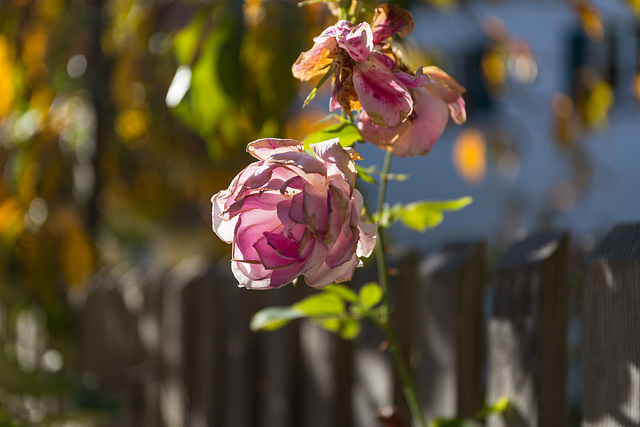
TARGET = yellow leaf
x,y
469,155
41,99
6,72
76,251
132,124
494,68
49,9
590,19
598,104
36,41
11,223
634,5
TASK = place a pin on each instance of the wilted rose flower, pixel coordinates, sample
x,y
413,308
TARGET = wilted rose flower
x,y
432,105
365,76
292,214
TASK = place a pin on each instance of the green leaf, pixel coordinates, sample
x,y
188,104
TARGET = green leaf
x,y
272,318
347,133
500,406
349,329
331,324
210,46
323,304
324,78
389,215
370,294
365,175
342,291
423,215
398,176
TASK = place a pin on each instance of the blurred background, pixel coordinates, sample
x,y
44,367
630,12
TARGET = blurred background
x,y
119,119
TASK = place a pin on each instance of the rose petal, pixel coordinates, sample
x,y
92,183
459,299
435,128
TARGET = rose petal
x,y
246,282
417,134
236,187
260,177
296,212
315,209
457,111
391,19
358,42
285,276
264,148
322,275
339,30
412,81
307,244
251,228
312,63
295,183
283,245
270,257
342,250
338,161
339,205
244,256
304,161
368,233
266,201
381,94
225,229
443,85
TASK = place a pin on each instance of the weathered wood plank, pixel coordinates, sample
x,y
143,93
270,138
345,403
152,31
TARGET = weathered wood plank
x,y
326,377
201,338
241,355
527,345
150,335
278,358
110,349
611,331
450,330
403,290
373,376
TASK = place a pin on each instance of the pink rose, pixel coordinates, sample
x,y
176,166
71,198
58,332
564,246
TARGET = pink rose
x,y
292,214
364,76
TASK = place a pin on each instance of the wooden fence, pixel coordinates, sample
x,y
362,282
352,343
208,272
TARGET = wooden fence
x,y
556,332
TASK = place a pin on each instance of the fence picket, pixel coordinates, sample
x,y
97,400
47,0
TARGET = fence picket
x,y
110,345
527,345
450,332
611,331
240,352
150,336
278,354
173,393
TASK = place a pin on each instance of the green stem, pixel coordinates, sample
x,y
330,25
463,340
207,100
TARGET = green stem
x,y
384,178
408,386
